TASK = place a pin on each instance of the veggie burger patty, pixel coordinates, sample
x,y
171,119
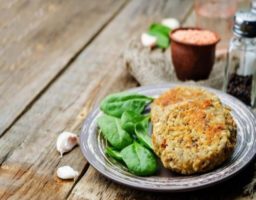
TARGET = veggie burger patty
x,y
192,131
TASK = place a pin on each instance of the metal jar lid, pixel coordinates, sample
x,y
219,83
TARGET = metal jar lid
x,y
254,6
245,24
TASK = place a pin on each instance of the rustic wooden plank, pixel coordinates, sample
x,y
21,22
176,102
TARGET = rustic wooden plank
x,y
27,150
38,39
30,165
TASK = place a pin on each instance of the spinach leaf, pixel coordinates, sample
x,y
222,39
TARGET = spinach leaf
x,y
138,125
139,160
161,32
160,28
162,39
129,119
113,153
113,133
141,131
116,104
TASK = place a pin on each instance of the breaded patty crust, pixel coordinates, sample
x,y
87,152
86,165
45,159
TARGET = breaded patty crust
x,y
192,131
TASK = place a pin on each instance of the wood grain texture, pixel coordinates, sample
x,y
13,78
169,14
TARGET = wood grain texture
x,y
27,151
28,158
28,169
38,39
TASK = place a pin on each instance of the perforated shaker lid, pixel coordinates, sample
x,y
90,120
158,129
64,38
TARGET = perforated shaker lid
x,y
245,24
254,6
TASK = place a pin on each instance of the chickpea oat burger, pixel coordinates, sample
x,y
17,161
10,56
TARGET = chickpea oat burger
x,y
192,131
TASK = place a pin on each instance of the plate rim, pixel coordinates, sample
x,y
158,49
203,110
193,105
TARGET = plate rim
x,y
95,109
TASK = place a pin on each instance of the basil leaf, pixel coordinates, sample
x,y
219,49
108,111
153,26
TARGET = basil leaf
x,y
116,104
160,28
113,153
113,133
139,160
129,120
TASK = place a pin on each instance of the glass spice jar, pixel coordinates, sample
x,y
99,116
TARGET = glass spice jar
x,y
240,70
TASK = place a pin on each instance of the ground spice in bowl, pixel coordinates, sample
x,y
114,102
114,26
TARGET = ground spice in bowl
x,y
196,37
193,52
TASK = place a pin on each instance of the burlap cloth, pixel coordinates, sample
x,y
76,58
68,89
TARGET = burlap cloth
x,y
153,67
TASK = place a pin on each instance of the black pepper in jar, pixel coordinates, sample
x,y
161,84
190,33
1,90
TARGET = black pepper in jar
x,y
240,69
240,86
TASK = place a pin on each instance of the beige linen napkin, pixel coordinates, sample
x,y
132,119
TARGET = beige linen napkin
x,y
155,66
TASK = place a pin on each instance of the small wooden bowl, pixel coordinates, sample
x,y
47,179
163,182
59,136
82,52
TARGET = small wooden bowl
x,y
192,61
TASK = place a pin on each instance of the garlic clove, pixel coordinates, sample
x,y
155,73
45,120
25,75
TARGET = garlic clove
x,y
172,23
66,141
148,40
66,172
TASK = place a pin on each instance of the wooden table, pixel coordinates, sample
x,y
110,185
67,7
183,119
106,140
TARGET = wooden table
x,y
58,59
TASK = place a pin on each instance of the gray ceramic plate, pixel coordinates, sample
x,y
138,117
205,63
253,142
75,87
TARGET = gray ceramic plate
x,y
92,145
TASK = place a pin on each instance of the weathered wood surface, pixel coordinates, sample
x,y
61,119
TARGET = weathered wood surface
x,y
28,158
27,150
38,40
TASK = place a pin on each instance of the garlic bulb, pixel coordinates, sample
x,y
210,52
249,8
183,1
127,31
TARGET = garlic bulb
x,y
148,40
172,23
66,141
66,172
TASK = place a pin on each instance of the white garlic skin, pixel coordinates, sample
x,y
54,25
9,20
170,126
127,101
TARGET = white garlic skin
x,y
66,172
172,23
148,40
66,141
